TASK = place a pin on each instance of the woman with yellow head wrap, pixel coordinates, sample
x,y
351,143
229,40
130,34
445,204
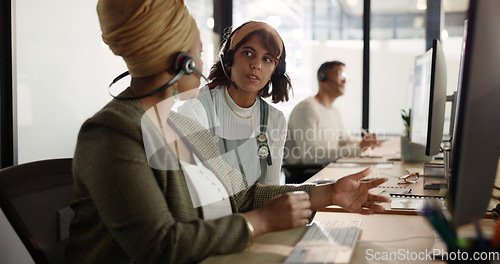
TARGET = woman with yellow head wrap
x,y
148,40
129,211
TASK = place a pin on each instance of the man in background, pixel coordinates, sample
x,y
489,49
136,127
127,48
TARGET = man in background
x,y
316,133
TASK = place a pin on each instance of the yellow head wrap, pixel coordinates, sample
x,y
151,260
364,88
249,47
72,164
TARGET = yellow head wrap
x,y
147,34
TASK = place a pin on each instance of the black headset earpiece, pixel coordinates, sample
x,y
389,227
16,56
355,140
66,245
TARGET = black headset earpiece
x,y
322,77
184,63
227,58
227,55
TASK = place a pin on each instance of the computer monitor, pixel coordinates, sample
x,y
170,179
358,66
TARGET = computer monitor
x,y
455,97
475,147
429,99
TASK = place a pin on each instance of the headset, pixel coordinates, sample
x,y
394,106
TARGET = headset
x,y
226,60
227,57
322,77
183,64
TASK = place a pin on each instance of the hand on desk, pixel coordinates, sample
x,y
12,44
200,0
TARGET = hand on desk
x,y
283,212
369,141
288,211
292,210
351,194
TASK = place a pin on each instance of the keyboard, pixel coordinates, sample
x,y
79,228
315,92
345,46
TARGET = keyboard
x,y
327,242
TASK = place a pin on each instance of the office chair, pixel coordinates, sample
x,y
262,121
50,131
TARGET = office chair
x,y
299,173
35,199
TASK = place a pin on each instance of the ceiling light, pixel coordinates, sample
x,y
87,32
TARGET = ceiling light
x,y
422,4
444,34
352,3
210,22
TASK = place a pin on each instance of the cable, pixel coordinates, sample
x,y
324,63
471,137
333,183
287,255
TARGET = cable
x,y
227,76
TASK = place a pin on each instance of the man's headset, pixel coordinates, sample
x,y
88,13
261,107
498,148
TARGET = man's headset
x,y
322,77
227,57
184,65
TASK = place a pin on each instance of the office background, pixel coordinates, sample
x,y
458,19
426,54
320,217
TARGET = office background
x,y
56,69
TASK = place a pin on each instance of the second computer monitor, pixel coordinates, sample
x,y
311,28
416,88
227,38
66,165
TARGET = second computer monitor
x,y
475,151
429,99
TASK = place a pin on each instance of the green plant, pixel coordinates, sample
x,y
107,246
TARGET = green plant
x,y
406,120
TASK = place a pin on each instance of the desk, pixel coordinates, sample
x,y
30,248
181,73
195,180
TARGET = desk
x,y
397,232
391,186
380,233
398,169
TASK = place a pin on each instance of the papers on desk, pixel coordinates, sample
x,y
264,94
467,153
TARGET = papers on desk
x,y
412,202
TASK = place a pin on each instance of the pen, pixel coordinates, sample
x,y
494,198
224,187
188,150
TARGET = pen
x,y
383,191
408,191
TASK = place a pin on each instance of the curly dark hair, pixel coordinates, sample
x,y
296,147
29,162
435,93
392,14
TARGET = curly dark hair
x,y
280,82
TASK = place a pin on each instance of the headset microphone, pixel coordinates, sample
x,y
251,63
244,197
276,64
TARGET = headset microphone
x,y
227,76
184,64
199,73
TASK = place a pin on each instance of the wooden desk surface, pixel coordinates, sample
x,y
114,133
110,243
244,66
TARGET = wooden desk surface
x,y
399,234
398,169
381,234
392,186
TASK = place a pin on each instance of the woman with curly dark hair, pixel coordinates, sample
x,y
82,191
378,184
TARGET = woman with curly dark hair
x,y
251,66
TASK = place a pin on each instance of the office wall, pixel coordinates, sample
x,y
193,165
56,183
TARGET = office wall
x,y
392,64
62,69
391,77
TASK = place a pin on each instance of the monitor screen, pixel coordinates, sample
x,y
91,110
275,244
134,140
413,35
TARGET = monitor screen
x,y
421,94
429,99
459,83
475,149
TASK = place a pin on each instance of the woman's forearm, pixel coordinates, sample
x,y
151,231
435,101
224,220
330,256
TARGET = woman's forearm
x,y
321,195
